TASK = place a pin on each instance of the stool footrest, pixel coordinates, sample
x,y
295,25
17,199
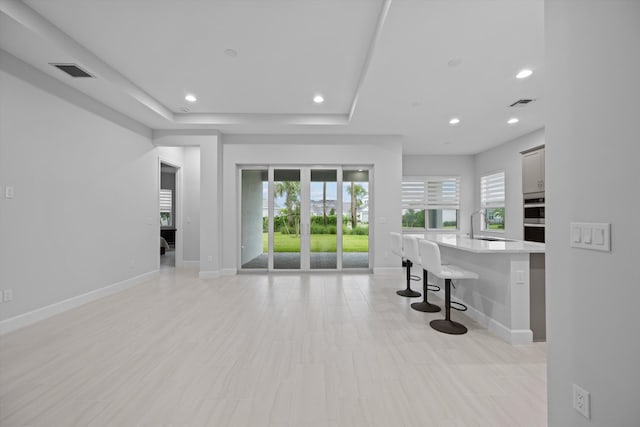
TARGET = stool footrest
x,y
458,306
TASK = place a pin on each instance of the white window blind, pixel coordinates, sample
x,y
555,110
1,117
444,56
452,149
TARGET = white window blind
x,y
166,198
443,193
413,195
431,193
492,190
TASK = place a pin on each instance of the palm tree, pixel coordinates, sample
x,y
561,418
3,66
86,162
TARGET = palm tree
x,y
291,191
357,192
324,203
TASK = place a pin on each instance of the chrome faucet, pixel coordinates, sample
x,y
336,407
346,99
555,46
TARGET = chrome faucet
x,y
479,211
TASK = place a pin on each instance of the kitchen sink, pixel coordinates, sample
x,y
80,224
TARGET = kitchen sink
x,y
492,239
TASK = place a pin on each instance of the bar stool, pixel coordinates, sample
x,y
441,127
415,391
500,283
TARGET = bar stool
x,y
396,248
431,260
412,253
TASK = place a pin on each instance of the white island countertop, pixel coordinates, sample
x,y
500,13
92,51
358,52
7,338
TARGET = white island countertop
x,y
467,244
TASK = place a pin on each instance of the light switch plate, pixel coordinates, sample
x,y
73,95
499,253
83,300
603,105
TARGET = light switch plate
x,y
598,236
576,234
591,235
9,192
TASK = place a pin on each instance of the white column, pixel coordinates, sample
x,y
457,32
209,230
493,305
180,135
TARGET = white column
x,y
210,198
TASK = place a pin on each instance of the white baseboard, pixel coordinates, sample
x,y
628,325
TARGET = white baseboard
x,y
512,336
229,271
31,317
387,270
214,274
191,263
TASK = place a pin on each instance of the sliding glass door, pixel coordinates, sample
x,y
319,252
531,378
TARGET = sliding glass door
x,y
323,219
285,213
355,214
304,218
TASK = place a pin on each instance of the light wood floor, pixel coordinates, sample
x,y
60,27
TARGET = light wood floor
x,y
265,350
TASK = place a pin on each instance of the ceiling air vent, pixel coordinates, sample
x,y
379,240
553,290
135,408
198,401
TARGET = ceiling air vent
x,y
521,102
72,69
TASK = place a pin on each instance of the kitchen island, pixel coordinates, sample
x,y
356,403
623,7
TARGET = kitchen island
x,y
508,298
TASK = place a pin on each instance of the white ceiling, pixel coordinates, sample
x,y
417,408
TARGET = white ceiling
x,y
381,65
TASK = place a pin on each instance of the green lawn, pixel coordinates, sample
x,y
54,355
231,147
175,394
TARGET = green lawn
x,y
319,243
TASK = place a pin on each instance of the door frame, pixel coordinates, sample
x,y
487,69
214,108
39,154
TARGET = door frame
x,y
305,215
179,262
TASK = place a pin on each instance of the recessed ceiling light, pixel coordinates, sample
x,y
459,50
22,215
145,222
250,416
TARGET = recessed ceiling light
x,y
318,99
232,53
523,74
190,97
513,120
454,121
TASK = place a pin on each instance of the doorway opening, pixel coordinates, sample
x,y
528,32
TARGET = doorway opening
x,y
168,220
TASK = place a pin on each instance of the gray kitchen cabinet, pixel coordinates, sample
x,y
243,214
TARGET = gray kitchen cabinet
x,y
533,171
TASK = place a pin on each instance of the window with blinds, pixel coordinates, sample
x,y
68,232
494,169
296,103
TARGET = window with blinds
x,y
166,205
492,201
430,203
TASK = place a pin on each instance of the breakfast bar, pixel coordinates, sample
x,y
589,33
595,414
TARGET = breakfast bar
x,y
508,298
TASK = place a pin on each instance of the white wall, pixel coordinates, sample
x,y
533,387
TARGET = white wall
x,y
191,204
209,157
507,158
384,153
188,226
462,166
592,153
85,212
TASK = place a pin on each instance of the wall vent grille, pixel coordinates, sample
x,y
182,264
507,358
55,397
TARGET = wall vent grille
x,y
73,70
521,102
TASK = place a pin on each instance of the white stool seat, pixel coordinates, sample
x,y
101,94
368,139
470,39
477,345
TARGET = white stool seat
x,y
431,261
412,253
397,248
410,248
396,244
450,271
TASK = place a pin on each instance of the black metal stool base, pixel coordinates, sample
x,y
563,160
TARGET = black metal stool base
x,y
426,307
409,293
448,327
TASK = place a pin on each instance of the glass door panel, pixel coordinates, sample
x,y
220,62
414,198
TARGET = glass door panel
x,y
323,216
286,219
254,251
355,218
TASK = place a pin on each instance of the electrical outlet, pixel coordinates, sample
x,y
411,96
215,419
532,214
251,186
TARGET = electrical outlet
x,y
7,295
581,401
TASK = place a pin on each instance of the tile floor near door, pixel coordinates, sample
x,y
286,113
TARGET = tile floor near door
x,y
265,350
